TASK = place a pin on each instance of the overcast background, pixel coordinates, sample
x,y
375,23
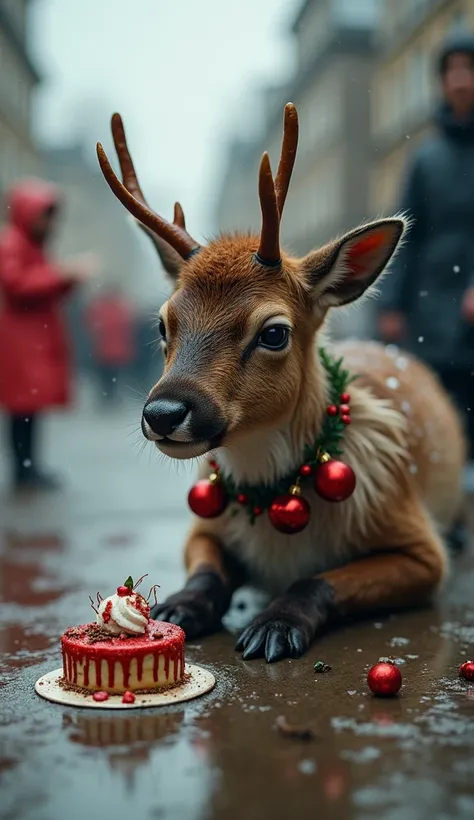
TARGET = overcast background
x,y
182,73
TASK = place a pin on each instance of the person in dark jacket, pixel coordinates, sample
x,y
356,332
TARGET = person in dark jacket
x,y
427,302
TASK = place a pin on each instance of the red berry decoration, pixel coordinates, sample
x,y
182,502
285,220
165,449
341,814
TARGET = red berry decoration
x,y
242,498
346,419
384,679
128,697
332,410
100,696
466,670
207,499
290,513
123,591
306,470
345,398
334,480
257,511
344,409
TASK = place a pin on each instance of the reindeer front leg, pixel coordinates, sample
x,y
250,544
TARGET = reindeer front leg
x,y
198,608
405,566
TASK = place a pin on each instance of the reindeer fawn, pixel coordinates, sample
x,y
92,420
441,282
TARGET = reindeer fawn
x,y
248,382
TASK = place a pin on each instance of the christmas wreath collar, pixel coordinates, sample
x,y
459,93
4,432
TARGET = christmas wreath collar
x,y
287,508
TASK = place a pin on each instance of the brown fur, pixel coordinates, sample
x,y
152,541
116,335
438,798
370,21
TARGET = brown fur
x,y
380,549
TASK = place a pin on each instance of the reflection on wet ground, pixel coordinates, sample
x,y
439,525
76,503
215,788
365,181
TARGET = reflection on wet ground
x,y
220,756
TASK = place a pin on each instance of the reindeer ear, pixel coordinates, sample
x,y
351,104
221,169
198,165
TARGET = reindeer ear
x,y
342,271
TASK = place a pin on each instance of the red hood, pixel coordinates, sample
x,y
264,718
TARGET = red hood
x,y
29,198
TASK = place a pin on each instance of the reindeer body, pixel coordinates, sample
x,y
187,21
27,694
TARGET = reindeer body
x,y
405,438
243,383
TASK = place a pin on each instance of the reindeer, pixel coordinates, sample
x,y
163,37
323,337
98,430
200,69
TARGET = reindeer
x,y
245,386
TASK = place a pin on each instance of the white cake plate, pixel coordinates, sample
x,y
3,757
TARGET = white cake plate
x,y
199,682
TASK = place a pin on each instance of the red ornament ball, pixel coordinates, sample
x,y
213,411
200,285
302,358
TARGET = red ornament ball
x,y
334,480
306,470
345,398
466,670
123,591
384,679
128,697
289,513
100,696
207,499
344,409
346,419
332,410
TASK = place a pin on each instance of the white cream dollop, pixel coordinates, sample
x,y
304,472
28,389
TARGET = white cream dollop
x,y
129,613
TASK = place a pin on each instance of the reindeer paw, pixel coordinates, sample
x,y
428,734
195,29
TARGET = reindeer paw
x,y
198,608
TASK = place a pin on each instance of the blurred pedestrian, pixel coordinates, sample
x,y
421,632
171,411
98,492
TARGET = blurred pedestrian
x,y
35,370
110,322
427,302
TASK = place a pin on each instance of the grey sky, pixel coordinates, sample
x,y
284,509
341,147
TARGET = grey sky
x,y
182,73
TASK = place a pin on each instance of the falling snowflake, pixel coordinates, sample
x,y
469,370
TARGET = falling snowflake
x,y
392,382
456,269
421,339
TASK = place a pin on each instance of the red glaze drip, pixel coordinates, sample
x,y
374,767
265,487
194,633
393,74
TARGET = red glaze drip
x,y
86,672
106,615
176,666
65,665
167,666
155,667
98,671
139,668
111,671
126,671
74,670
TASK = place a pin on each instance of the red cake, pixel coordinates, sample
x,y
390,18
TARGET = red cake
x,y
125,650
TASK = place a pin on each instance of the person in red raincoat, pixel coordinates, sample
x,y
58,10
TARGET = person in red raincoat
x,y
110,320
35,366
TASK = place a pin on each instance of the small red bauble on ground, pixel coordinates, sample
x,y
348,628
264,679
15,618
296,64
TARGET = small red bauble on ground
x,y
332,410
207,499
466,670
334,480
289,513
384,679
123,591
257,511
345,398
100,696
128,697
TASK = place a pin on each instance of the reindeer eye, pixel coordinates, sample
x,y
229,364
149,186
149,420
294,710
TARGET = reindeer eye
x,y
274,337
162,329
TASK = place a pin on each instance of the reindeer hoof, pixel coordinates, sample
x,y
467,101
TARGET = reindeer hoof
x,y
189,609
274,637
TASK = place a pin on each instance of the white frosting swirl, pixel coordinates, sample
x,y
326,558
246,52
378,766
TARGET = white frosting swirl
x,y
129,613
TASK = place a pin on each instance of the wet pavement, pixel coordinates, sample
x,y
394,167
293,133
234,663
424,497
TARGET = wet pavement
x,y
219,756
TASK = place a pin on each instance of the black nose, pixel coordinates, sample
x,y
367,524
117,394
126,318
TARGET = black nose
x,y
164,415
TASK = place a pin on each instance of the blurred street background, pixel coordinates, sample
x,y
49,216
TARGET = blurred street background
x,y
201,88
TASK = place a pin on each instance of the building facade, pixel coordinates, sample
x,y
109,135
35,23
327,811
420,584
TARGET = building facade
x,y
406,86
18,78
331,88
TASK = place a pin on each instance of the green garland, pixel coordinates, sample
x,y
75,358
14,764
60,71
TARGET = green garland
x,y
261,496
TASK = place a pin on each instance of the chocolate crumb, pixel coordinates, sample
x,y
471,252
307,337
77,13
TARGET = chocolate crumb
x,y
298,732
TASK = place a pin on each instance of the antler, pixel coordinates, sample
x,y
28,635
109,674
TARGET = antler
x,y
273,193
130,195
